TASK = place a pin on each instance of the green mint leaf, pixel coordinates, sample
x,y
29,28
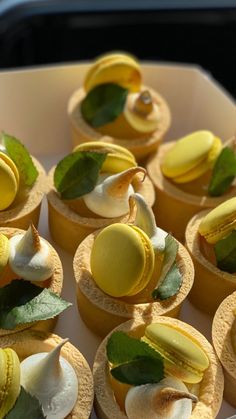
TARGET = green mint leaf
x,y
170,278
225,251
223,173
22,159
170,285
103,104
140,371
170,253
77,173
122,348
23,302
26,407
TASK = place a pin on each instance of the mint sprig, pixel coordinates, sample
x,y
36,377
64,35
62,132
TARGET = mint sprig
x,y
170,286
103,104
134,361
223,173
23,302
26,407
77,174
170,279
225,252
22,159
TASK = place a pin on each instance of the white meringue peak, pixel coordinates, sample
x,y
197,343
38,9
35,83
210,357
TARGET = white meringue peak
x,y
30,256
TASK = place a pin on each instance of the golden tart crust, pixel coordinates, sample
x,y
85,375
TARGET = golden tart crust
x,y
31,341
102,313
211,386
211,285
223,322
170,200
54,284
69,229
27,211
140,147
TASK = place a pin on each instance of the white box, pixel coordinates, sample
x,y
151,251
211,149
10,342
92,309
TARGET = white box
x,y
33,104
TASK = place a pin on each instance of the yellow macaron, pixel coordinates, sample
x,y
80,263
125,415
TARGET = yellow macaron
x,y
118,68
9,181
122,260
9,380
183,357
191,156
4,251
219,222
118,158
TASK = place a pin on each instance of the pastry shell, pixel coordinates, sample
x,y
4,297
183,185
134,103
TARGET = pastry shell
x,y
32,341
54,284
211,386
211,285
101,313
223,322
140,147
69,229
170,200
23,213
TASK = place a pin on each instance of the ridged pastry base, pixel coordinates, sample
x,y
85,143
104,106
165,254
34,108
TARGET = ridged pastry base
x,y
101,313
223,321
28,210
31,342
68,229
173,207
211,386
54,284
140,147
211,285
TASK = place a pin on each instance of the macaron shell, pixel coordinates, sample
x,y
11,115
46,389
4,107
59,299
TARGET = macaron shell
x,y
187,153
219,222
11,388
8,185
184,358
203,166
4,252
12,165
128,257
115,68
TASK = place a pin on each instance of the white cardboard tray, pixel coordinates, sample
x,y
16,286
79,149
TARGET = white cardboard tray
x,y
33,106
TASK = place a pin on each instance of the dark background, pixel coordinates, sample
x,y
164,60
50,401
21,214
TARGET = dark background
x,y
46,32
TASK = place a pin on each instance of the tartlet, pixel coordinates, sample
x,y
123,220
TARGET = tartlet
x,y
170,199
139,144
68,228
31,342
211,284
223,325
211,386
54,283
102,313
26,209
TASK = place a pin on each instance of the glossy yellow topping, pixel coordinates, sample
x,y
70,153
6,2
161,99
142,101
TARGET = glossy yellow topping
x,y
191,156
122,260
183,357
219,222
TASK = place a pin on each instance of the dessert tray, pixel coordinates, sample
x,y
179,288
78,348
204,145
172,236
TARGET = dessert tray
x,y
33,106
